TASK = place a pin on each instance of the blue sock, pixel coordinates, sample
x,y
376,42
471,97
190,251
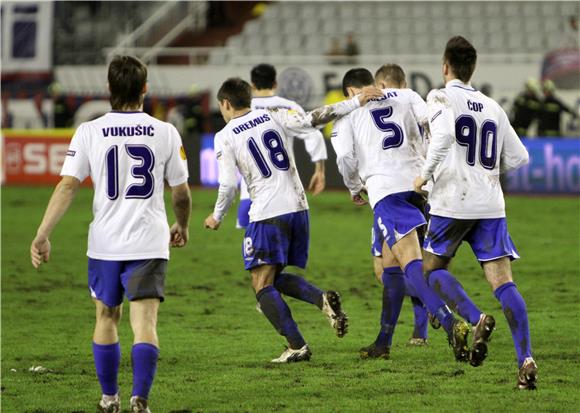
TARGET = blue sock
x,y
144,360
107,359
452,292
421,319
514,309
393,295
434,304
278,313
297,287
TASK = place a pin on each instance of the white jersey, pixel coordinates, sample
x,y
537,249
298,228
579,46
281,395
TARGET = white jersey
x,y
313,139
380,145
471,142
256,144
127,155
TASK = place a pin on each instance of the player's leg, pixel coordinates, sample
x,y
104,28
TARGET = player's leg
x,y
329,302
278,313
497,268
380,348
107,293
144,283
498,273
408,253
420,315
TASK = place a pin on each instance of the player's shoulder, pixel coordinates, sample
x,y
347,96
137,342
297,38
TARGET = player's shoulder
x,y
436,95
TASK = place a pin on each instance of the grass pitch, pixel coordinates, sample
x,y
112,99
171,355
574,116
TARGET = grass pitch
x,y
215,347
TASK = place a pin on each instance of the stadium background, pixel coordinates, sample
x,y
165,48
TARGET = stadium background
x,y
54,59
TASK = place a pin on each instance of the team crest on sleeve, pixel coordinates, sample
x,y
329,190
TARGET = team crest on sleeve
x,y
71,153
182,153
218,155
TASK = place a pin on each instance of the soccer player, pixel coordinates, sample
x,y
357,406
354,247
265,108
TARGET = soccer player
x,y
472,142
392,76
264,86
255,142
380,146
127,154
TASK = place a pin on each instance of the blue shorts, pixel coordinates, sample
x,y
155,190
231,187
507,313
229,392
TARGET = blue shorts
x,y
377,236
282,240
244,213
395,216
109,280
489,238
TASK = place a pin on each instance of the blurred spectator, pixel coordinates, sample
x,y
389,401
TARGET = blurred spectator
x,y
335,52
526,107
63,116
551,111
351,49
572,34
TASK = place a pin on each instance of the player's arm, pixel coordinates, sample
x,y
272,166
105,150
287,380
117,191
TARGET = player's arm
x,y
316,148
513,153
227,180
75,169
176,174
181,203
421,114
59,203
342,139
297,123
442,127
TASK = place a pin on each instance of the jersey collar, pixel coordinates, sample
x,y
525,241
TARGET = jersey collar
x,y
458,83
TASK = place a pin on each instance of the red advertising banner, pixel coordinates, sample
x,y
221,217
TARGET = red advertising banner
x,y
33,157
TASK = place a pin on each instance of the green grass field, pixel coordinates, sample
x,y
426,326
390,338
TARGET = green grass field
x,y
215,347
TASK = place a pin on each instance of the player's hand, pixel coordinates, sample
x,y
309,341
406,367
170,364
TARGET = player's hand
x,y
418,185
368,93
39,250
358,199
317,183
178,236
211,223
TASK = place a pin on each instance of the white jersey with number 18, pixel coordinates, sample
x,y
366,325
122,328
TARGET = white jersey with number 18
x,y
127,155
472,141
313,139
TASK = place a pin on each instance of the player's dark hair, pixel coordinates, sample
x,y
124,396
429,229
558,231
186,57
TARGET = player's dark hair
x,y
127,77
391,73
358,77
263,76
461,56
237,91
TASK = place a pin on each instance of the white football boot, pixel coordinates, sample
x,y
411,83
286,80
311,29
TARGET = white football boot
x,y
290,355
109,404
332,309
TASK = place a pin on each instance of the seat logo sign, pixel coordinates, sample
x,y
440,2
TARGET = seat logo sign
x,y
295,84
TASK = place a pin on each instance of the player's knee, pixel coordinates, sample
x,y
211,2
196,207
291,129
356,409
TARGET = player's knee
x,y
108,314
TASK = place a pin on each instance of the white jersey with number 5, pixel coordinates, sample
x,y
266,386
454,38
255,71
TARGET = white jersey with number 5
x,y
380,145
471,142
127,155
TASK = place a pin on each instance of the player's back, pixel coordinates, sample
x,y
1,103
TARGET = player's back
x,y
389,146
466,184
129,154
259,146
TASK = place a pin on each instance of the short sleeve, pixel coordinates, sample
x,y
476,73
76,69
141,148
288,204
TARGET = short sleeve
x,y
76,162
176,172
